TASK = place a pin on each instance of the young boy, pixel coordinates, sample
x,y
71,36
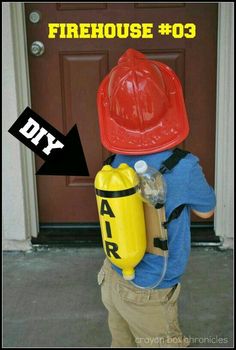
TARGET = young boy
x,y
142,116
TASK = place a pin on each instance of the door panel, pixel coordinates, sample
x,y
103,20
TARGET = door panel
x,y
65,79
75,69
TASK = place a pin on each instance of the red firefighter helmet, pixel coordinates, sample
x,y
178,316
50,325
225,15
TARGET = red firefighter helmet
x,y
141,107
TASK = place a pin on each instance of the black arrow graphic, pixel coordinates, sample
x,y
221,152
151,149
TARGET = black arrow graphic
x,y
63,155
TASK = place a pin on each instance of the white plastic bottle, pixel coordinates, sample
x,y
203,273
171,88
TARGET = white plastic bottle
x,y
153,185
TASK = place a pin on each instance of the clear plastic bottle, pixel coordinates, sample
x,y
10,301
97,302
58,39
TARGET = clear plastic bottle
x,y
152,183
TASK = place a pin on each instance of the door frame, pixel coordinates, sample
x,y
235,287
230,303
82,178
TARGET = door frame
x,y
224,120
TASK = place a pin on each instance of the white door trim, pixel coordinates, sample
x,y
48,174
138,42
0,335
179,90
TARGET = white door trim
x,y
23,100
224,120
224,154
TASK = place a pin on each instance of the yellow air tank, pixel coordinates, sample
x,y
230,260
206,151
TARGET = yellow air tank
x,y
121,217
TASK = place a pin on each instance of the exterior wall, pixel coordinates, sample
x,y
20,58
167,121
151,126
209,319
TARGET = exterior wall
x,y
19,190
14,226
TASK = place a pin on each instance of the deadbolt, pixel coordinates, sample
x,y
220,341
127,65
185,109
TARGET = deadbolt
x,y
34,16
37,48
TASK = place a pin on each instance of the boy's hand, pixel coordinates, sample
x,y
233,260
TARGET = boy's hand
x,y
204,215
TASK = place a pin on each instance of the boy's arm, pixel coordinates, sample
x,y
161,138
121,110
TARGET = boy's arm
x,y
201,195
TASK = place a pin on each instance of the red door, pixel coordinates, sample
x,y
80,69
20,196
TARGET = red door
x,y
65,79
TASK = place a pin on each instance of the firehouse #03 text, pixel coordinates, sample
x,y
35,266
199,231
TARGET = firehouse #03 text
x,y
119,30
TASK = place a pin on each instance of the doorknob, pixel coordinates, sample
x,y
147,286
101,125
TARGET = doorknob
x,y
37,48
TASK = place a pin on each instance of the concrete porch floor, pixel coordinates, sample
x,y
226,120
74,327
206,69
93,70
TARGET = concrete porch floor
x,y
51,298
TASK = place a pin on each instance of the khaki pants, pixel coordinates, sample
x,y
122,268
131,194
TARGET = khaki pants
x,y
140,317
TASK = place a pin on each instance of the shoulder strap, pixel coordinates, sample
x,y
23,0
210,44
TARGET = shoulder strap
x,y
109,160
173,160
174,215
168,165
